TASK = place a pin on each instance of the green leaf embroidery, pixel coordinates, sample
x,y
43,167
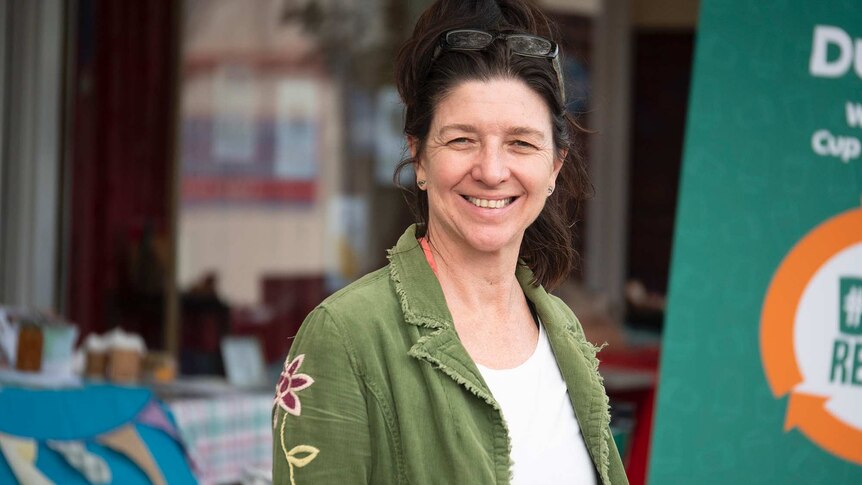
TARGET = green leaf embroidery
x,y
302,455
299,455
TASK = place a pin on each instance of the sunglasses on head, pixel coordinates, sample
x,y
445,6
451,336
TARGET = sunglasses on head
x,y
521,44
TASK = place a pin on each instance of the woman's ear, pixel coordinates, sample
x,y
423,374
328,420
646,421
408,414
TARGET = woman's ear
x,y
558,163
413,144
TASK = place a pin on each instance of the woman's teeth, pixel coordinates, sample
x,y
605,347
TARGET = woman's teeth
x,y
490,204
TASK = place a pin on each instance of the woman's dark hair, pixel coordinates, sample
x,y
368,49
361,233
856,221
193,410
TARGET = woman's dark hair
x,y
424,81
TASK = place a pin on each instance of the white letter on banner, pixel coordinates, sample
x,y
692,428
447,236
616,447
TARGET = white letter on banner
x,y
820,65
817,142
854,114
852,148
858,64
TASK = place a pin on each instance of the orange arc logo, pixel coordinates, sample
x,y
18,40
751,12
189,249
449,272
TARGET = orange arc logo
x,y
807,412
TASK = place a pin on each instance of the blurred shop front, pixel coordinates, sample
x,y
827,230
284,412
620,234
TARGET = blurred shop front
x,y
226,165
284,109
202,173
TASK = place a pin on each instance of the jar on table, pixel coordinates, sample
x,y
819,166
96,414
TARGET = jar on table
x,y
29,353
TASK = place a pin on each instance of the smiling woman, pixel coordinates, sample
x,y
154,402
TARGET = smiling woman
x,y
453,364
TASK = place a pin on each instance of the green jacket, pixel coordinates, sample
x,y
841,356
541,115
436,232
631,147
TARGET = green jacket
x,y
378,388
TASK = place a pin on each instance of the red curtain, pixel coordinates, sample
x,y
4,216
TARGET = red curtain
x,y
121,149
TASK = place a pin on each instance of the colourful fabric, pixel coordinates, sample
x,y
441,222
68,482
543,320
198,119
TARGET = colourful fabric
x,y
83,414
397,399
226,436
154,416
93,467
20,453
87,411
128,442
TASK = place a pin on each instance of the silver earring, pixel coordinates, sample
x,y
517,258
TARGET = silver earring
x,y
421,184
550,190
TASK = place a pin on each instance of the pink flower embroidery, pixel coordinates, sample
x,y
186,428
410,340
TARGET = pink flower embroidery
x,y
289,384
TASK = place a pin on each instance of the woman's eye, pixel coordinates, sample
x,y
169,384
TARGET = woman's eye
x,y
523,144
459,141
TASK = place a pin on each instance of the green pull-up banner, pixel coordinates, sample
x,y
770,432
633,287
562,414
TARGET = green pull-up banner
x,y
761,371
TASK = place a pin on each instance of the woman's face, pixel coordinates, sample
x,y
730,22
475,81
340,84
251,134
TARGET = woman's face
x,y
488,163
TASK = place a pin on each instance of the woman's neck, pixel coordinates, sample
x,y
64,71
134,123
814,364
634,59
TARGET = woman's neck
x,y
489,310
476,279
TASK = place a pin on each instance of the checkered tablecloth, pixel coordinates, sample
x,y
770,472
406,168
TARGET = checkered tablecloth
x,y
226,436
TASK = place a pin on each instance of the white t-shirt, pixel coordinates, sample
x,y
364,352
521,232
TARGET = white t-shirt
x,y
547,447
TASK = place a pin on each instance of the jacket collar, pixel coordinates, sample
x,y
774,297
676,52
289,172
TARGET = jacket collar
x,y
424,305
421,296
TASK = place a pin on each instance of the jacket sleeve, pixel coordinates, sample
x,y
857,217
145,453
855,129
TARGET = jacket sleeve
x,y
320,422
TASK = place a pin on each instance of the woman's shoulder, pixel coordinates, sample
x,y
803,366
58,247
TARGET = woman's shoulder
x,y
562,312
365,307
360,320
561,306
366,295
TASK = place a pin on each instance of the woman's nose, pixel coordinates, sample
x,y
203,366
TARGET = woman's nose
x,y
490,166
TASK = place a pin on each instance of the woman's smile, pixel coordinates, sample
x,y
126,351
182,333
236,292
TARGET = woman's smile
x,y
489,203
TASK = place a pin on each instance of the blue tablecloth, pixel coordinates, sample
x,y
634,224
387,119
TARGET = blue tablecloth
x,y
83,414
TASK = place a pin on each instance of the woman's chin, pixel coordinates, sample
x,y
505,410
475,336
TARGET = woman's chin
x,y
476,239
491,243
